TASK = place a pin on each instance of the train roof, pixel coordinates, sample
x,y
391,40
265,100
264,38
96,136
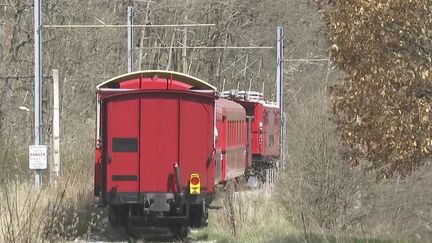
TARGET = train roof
x,y
196,83
232,110
251,97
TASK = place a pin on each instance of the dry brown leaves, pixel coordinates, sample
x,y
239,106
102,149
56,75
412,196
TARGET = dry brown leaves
x,y
383,108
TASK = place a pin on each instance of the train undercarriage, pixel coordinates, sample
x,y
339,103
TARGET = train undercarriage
x,y
263,171
176,214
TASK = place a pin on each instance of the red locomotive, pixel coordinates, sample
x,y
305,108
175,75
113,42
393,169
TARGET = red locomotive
x,y
164,140
265,134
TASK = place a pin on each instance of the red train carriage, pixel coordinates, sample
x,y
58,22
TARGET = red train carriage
x,y
158,151
231,140
265,132
265,129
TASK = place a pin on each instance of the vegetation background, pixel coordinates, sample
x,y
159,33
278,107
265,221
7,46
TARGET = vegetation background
x,y
358,127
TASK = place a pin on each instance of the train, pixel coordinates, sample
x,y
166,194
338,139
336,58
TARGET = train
x,y
165,140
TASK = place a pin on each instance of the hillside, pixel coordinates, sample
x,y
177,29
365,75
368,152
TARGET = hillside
x,y
357,103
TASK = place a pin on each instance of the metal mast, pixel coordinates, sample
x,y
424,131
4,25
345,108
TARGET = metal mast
x,y
38,82
130,37
279,89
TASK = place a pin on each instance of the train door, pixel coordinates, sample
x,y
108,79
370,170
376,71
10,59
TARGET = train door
x,y
219,147
175,129
122,150
196,140
224,142
159,143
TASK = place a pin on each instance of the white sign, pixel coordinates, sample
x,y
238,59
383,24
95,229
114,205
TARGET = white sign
x,y
38,157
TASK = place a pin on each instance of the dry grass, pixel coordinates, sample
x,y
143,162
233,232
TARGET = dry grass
x,y
31,215
248,216
318,187
401,208
330,201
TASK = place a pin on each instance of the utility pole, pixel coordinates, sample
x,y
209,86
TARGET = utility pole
x,y
56,128
279,89
184,50
143,34
130,37
38,82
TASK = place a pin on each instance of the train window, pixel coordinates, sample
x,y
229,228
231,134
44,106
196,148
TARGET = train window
x,y
271,141
233,132
124,177
245,130
241,132
266,115
229,133
236,127
125,145
238,133
226,134
216,135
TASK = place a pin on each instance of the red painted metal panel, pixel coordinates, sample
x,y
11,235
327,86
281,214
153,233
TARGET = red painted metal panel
x,y
122,122
131,80
234,150
219,145
176,128
98,172
196,141
159,144
257,129
265,128
271,132
223,141
153,83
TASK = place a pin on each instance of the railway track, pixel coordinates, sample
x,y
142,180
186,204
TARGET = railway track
x,y
106,233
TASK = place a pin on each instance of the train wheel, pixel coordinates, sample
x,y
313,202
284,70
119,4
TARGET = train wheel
x,y
199,216
194,218
204,215
118,215
253,182
180,231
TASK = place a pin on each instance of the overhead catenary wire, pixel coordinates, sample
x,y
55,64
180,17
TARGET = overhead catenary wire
x,y
22,77
144,1
206,47
126,26
307,60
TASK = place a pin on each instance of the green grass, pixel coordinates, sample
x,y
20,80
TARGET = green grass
x,y
257,218
279,235
324,238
